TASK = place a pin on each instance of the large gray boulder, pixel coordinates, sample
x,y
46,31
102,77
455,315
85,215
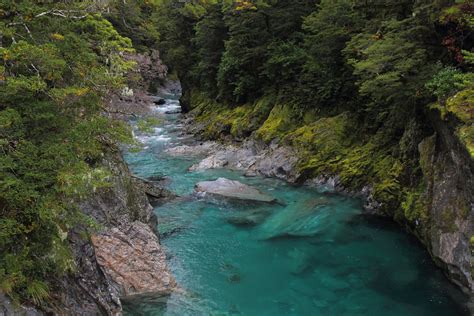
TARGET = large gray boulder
x,y
230,189
277,162
200,149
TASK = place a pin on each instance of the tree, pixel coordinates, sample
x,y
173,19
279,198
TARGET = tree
x,y
326,77
239,77
60,62
211,33
392,65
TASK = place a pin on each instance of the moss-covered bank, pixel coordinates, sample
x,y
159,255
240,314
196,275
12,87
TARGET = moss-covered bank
x,y
408,175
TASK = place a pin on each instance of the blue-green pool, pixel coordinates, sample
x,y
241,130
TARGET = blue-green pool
x,y
315,254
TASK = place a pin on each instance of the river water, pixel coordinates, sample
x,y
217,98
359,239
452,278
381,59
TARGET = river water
x,y
315,253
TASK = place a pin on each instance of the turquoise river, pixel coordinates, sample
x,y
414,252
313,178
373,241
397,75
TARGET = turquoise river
x,y
315,253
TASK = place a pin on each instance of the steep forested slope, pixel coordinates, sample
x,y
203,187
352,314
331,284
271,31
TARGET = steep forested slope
x,y
62,63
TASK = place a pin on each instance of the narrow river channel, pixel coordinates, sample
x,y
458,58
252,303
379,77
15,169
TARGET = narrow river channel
x,y
315,253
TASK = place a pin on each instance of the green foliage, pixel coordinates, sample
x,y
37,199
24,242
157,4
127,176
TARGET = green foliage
x,y
391,65
327,80
56,71
445,83
239,78
137,20
146,125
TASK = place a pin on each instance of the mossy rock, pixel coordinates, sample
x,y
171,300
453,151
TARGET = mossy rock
x,y
281,120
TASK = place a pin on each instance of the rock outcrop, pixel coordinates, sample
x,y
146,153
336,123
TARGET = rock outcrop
x,y
122,257
8,308
448,173
200,149
254,159
133,260
233,190
155,193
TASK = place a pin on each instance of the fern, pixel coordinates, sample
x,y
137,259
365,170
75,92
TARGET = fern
x,y
37,291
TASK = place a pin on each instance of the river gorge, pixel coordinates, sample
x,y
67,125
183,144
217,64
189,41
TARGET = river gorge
x,y
313,252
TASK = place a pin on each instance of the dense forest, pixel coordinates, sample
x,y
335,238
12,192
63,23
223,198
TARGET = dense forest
x,y
60,62
351,84
356,86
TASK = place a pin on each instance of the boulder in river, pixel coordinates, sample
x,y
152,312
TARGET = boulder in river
x,y
301,219
231,189
201,149
159,101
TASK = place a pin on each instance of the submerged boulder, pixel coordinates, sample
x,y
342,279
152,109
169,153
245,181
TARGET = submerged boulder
x,y
302,219
231,189
252,217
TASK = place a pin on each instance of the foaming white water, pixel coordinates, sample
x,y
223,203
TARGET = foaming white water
x,y
171,106
147,139
160,134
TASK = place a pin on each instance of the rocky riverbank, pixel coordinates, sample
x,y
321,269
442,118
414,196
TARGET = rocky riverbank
x,y
446,195
121,257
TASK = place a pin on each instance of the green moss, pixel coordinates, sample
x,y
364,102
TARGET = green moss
x,y
426,150
222,119
281,121
466,136
327,145
147,124
462,106
415,206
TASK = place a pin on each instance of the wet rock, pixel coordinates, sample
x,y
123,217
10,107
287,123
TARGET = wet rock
x,y
278,162
230,189
155,192
300,261
8,308
133,260
157,178
448,172
231,157
194,150
159,101
234,278
304,218
90,291
177,111
249,218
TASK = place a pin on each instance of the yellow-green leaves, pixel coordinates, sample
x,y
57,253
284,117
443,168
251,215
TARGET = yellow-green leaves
x,y
80,180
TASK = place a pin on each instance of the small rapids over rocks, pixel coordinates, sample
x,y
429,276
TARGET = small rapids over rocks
x,y
311,253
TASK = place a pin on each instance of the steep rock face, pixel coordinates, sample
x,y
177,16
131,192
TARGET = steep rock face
x,y
127,224
8,308
449,198
133,260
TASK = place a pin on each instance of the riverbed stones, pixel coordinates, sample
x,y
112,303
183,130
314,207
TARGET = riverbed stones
x,y
200,149
277,162
133,260
234,190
